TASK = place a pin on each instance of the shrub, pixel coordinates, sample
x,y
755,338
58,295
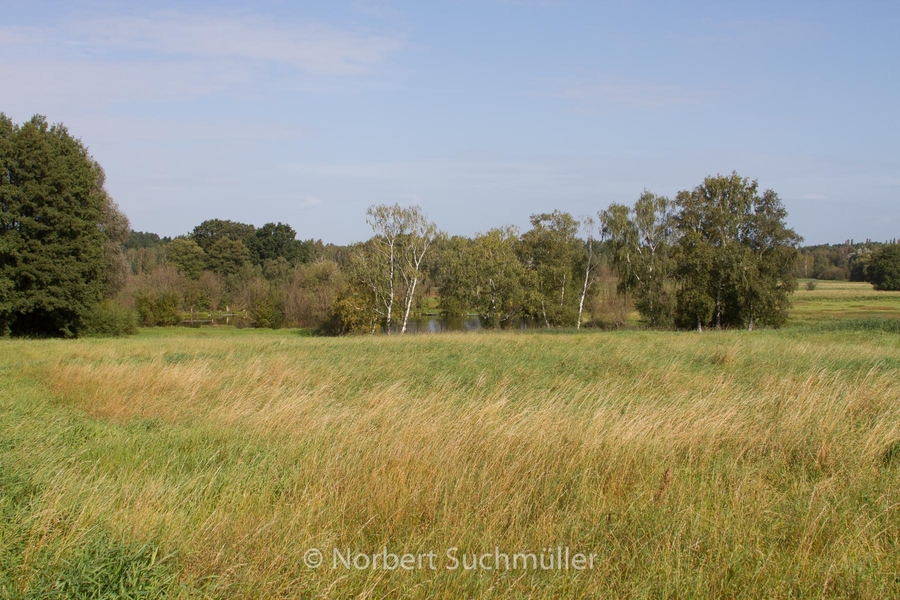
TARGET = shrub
x,y
883,270
262,303
312,292
834,274
109,318
349,314
159,309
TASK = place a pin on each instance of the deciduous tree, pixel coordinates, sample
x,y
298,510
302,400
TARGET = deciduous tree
x,y
390,266
549,252
883,269
485,275
736,254
187,255
641,249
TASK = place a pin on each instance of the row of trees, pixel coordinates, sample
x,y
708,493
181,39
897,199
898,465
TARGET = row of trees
x,y
719,255
838,262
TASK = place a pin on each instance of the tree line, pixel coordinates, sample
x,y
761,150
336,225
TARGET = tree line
x,y
839,262
717,256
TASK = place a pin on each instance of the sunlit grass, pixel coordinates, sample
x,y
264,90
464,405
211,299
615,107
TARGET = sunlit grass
x,y
840,300
735,464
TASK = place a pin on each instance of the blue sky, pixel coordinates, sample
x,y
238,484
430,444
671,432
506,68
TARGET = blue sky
x,y
482,112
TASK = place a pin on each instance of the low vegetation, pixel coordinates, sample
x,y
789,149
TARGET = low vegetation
x,y
218,463
207,463
831,300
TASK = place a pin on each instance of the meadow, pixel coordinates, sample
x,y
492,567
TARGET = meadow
x,y
841,300
211,462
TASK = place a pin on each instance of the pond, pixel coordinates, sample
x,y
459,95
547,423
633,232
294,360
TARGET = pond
x,y
438,323
416,324
231,320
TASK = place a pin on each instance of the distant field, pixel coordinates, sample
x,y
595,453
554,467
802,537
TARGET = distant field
x,y
210,462
842,299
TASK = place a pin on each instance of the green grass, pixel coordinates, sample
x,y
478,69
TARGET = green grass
x,y
840,300
207,462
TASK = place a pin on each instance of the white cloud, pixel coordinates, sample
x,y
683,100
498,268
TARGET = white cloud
x,y
310,202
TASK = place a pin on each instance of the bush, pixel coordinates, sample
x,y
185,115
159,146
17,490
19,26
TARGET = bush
x,y
883,270
811,285
110,319
262,303
312,292
834,274
159,309
349,314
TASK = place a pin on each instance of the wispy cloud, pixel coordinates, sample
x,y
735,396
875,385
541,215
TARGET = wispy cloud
x,y
312,47
174,56
482,175
86,84
162,38
813,197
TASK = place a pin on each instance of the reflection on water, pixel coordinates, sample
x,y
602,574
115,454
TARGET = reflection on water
x,y
421,324
232,320
438,323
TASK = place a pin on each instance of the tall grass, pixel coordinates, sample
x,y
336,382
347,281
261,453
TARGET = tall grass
x,y
730,464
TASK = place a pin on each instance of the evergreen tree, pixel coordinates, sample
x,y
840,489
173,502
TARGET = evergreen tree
x,y
60,233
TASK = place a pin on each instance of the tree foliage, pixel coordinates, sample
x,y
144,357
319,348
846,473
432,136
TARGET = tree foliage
x,y
60,232
227,256
549,251
736,255
275,240
640,241
883,269
207,233
188,256
485,275
390,267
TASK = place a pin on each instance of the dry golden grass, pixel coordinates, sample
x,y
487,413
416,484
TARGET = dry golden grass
x,y
694,465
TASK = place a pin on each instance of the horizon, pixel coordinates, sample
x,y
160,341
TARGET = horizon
x,y
481,113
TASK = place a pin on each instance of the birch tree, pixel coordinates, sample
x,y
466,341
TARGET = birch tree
x,y
485,275
418,236
587,227
641,240
549,253
391,264
736,255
